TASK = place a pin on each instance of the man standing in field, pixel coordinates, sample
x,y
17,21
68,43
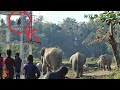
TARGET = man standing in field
x,y
18,62
9,65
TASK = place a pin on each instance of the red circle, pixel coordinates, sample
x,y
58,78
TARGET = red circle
x,y
21,12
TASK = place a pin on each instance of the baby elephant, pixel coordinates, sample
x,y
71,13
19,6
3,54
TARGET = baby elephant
x,y
78,60
105,62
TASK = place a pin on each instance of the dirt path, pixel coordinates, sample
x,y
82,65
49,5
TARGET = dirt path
x,y
89,75
92,75
96,74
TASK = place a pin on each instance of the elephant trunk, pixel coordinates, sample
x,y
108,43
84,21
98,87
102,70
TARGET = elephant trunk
x,y
42,59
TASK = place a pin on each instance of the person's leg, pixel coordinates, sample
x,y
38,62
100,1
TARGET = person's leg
x,y
17,75
11,74
1,73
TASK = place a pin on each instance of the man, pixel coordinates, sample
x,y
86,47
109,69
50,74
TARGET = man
x,y
9,65
1,62
31,70
19,22
59,74
18,62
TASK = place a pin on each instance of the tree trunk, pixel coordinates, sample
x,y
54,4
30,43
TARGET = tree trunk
x,y
115,53
113,43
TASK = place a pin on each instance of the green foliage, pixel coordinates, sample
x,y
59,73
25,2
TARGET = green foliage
x,y
91,60
117,76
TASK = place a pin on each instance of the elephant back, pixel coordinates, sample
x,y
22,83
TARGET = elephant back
x,y
109,59
106,59
81,58
77,59
53,58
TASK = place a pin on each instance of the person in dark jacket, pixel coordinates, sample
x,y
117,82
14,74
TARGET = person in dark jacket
x,y
1,62
31,70
19,22
59,74
18,62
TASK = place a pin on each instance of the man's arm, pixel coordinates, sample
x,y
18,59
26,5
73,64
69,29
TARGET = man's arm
x,y
37,71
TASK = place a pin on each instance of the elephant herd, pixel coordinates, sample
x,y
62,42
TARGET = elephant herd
x,y
52,60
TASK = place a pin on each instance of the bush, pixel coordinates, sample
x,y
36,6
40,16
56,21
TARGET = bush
x,y
117,76
91,60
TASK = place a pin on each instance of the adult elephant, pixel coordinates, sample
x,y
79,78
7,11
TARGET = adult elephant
x,y
51,59
105,62
78,60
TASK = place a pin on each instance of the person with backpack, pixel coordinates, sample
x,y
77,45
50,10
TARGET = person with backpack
x,y
31,70
18,62
9,65
1,65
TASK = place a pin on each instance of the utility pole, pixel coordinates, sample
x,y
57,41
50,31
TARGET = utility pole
x,y
7,34
30,45
21,39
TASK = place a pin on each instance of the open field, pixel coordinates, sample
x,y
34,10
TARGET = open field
x,y
91,73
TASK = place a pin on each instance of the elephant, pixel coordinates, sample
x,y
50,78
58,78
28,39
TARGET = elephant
x,y
51,59
105,62
78,60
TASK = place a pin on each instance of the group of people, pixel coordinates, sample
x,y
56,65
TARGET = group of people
x,y
10,67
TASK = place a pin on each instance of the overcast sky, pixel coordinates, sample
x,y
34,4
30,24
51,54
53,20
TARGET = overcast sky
x,y
58,16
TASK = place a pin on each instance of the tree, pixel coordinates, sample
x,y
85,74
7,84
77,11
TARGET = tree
x,y
111,18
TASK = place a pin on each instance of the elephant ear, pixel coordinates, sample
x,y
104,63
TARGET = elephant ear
x,y
42,51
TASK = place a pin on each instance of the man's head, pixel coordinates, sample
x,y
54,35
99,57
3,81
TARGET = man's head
x,y
17,54
9,52
30,58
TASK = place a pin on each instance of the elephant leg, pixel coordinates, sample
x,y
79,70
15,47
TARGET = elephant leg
x,y
49,69
104,68
81,72
78,72
44,69
109,68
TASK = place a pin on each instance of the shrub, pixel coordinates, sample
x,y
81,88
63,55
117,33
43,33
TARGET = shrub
x,y
117,76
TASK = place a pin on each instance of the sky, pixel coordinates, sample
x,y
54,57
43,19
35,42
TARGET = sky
x,y
58,16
